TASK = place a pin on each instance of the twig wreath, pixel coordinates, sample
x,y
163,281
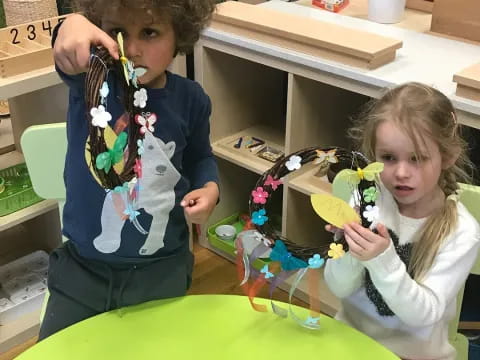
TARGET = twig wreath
x,y
288,257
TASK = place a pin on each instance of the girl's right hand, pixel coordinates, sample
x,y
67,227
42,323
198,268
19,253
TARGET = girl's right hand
x,y
75,37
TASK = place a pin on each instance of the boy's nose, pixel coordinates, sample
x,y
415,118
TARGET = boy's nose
x,y
132,48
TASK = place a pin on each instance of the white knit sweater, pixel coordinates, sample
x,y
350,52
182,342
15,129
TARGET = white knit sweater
x,y
419,328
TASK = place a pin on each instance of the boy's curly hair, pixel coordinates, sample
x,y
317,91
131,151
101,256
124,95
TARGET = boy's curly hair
x,y
188,17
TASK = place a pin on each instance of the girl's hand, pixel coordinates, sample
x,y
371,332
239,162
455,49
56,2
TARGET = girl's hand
x,y
199,204
75,37
363,243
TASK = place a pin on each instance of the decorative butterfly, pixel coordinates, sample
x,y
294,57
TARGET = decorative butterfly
x,y
312,320
272,182
131,212
326,156
265,271
146,121
333,210
286,259
368,173
125,62
114,155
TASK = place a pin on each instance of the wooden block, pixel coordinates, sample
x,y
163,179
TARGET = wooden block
x,y
317,38
468,82
26,47
421,5
459,18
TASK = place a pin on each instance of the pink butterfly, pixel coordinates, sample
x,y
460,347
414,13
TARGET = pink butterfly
x,y
146,121
273,183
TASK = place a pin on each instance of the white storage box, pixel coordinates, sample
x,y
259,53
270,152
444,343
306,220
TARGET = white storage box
x,y
23,286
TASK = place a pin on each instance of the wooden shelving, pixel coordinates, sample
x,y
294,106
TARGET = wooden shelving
x,y
28,213
19,331
310,183
6,136
10,159
225,149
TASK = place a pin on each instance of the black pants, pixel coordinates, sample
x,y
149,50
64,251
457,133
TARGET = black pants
x,y
81,288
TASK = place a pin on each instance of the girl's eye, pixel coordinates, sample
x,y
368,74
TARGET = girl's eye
x,y
387,157
419,158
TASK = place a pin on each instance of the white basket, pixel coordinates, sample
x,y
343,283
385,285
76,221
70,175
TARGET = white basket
x,y
24,283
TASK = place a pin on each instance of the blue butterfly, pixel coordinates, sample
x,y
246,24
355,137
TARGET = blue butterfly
x,y
131,212
267,273
287,260
312,321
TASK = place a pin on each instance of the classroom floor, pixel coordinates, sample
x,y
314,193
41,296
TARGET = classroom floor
x,y
212,274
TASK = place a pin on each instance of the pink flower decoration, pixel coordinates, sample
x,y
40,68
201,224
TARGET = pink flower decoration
x,y
259,196
137,168
273,183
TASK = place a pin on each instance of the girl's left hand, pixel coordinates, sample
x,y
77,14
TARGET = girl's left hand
x,y
199,204
363,243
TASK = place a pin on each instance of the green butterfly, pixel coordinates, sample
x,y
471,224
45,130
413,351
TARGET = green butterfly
x,y
355,176
109,158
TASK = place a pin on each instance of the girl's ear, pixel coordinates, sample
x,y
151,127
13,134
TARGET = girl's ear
x,y
450,158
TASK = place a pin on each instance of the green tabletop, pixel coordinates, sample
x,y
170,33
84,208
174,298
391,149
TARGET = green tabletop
x,y
204,327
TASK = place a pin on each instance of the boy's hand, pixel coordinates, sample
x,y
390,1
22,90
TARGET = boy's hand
x,y
363,243
199,204
75,37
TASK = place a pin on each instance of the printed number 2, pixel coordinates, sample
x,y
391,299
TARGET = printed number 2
x,y
14,32
31,32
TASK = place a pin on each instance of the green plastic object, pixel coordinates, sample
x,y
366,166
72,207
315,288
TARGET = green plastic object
x,y
17,191
228,247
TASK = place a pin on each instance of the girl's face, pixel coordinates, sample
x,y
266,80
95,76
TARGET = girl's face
x,y
411,178
148,42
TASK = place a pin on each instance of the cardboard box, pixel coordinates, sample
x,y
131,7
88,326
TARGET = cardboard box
x,y
460,18
421,5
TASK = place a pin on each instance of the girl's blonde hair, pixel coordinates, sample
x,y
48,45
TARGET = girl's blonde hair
x,y
421,111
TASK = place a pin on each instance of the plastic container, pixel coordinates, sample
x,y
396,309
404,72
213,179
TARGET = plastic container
x,y
17,191
386,11
228,246
24,284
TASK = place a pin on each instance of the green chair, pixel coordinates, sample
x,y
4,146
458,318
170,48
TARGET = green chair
x,y
44,148
470,197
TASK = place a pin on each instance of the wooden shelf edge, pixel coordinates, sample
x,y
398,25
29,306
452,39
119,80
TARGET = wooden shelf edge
x,y
242,157
7,143
28,213
19,331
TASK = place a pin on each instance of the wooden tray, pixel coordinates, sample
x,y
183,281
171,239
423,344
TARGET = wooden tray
x,y
26,47
421,5
468,82
317,38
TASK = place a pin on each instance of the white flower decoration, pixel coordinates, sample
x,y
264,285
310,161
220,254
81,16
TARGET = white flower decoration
x,y
294,163
140,98
371,213
100,117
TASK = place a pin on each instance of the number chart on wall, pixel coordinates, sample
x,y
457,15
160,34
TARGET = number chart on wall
x,y
26,47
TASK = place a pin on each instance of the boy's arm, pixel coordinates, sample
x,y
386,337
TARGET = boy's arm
x,y
199,163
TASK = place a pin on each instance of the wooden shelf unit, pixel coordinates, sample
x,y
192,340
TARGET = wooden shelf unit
x,y
289,111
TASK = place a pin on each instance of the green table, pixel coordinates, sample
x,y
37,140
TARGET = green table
x,y
204,327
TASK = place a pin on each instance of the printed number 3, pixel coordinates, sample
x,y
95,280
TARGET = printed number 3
x,y
31,32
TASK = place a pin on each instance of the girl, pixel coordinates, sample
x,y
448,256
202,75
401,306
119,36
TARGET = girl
x,y
127,230
398,283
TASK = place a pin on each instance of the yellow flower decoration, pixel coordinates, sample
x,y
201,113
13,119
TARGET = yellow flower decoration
x,y
336,251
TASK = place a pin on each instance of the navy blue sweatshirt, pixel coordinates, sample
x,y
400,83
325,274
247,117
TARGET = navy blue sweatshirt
x,y
177,159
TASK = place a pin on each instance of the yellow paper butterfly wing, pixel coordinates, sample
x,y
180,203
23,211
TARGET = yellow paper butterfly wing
x,y
123,58
350,176
372,170
333,210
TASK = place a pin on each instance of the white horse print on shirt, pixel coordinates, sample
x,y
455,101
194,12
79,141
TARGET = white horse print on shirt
x,y
156,197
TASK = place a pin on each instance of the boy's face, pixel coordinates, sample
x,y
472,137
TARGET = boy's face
x,y
149,42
